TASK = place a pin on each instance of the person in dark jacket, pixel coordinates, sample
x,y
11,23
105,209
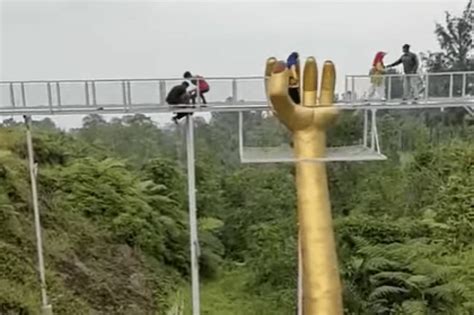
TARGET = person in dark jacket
x,y
410,67
179,95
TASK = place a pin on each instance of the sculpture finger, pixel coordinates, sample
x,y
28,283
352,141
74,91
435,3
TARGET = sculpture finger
x,y
310,82
278,93
328,83
268,72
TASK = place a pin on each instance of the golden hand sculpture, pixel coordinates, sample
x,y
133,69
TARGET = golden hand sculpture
x,y
308,123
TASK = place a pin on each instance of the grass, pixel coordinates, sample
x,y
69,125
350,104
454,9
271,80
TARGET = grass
x,y
229,295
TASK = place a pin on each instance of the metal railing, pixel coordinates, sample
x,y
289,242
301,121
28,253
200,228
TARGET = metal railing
x,y
124,95
123,92
430,86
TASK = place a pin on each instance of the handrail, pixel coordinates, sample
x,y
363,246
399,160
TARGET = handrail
x,y
458,85
413,74
224,78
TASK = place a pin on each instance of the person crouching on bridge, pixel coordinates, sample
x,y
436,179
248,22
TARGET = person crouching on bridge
x,y
179,95
202,85
292,63
376,77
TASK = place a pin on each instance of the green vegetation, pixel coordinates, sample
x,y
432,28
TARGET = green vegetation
x,y
114,214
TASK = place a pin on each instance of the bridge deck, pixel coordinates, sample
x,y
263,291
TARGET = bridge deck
x,y
213,107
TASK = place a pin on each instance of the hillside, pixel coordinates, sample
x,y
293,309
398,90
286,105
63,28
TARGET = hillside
x,y
115,225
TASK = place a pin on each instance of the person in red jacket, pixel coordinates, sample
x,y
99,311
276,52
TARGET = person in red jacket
x,y
201,83
377,79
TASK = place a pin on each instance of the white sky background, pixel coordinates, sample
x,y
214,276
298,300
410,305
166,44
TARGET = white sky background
x,y
135,39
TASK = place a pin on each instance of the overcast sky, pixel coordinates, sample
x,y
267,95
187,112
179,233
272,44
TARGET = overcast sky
x,y
135,39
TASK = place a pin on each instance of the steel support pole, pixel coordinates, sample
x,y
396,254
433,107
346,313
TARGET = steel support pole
x,y
366,126
241,135
372,130
194,242
300,278
46,309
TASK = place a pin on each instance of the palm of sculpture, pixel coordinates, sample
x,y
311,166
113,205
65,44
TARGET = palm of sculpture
x,y
308,123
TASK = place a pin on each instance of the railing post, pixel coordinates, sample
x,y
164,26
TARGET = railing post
x,y
12,95
346,86
427,87
94,97
86,89
464,87
58,93
451,85
198,91
389,92
23,94
129,94
124,94
50,97
234,91
353,90
162,92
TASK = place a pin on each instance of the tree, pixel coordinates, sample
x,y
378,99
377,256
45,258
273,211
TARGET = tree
x,y
455,39
93,120
401,278
456,42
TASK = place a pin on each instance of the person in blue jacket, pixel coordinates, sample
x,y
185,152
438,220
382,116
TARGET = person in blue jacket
x,y
292,63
